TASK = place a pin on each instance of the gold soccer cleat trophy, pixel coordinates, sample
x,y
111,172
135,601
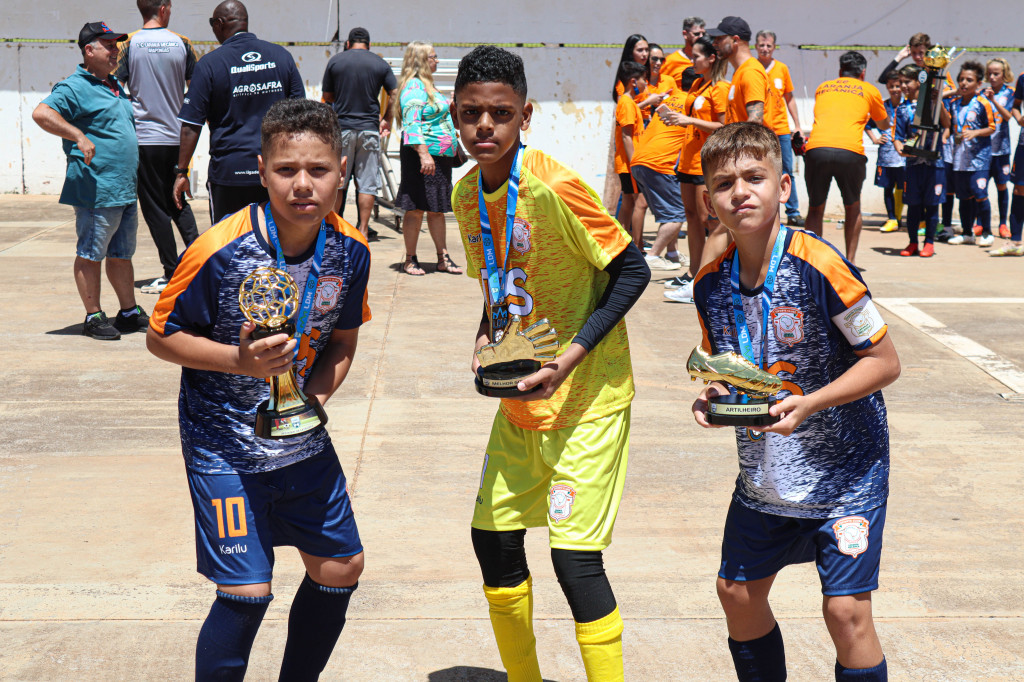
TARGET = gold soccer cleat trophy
x,y
755,388
514,355
926,127
268,298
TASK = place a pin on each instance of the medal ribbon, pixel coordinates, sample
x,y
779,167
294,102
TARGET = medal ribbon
x,y
495,274
311,280
742,331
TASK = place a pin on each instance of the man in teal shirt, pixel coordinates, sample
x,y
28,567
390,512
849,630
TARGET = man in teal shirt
x,y
91,112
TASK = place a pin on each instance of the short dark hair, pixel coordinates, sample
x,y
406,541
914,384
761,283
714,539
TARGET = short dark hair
x,y
629,70
974,66
911,71
852,64
919,39
149,8
301,116
490,64
690,22
893,75
733,141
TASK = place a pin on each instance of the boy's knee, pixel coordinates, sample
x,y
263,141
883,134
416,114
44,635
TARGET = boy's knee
x,y
252,590
341,572
848,614
734,595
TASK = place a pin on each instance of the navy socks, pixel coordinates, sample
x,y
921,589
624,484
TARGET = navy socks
x,y
314,625
760,660
880,673
222,651
1017,217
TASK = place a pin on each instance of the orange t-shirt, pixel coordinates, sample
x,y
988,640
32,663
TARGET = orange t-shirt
x,y
664,84
661,143
841,109
781,83
749,84
627,113
707,102
674,65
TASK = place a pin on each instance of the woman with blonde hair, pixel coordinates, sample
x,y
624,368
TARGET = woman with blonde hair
x,y
427,155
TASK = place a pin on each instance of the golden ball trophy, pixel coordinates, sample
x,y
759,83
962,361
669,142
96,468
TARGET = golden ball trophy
x,y
755,388
269,298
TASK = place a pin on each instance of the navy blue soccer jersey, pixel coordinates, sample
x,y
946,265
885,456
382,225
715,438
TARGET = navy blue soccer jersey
x,y
1001,138
217,410
904,129
837,460
977,114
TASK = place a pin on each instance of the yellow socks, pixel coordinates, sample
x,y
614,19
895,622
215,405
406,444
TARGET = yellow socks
x,y
511,610
897,195
601,647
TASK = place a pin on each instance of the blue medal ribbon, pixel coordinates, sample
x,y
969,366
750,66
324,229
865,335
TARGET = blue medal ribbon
x,y
495,274
742,330
311,280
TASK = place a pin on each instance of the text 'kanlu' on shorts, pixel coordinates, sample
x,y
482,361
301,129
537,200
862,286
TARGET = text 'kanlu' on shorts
x,y
846,549
240,518
662,193
362,149
106,232
569,480
824,163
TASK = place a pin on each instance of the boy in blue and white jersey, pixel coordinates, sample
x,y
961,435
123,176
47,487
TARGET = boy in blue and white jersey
x,y
889,171
1000,94
813,486
974,122
923,189
252,494
1009,107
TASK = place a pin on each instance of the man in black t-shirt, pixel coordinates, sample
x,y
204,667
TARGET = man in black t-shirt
x,y
231,89
352,84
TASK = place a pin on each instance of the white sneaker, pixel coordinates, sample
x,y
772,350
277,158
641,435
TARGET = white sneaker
x,y
683,294
985,240
156,286
1008,249
962,239
659,263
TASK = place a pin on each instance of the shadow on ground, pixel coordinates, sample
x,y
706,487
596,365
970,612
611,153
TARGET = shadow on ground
x,y
464,673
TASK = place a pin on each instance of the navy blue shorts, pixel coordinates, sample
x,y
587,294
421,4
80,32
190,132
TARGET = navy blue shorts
x,y
240,518
950,183
971,185
924,185
889,176
662,194
846,549
1017,169
999,169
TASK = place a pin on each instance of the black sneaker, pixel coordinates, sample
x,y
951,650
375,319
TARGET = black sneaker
x,y
680,281
132,323
372,235
795,221
98,327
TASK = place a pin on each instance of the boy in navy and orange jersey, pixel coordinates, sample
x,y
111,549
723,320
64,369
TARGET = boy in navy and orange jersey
x,y
974,122
252,494
813,486
543,247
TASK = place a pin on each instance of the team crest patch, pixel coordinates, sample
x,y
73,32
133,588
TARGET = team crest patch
x,y
328,290
778,83
788,324
698,103
982,183
1006,169
938,190
856,321
561,498
521,236
972,116
851,535
732,93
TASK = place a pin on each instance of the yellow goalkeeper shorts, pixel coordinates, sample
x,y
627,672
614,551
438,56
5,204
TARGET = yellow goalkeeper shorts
x,y
568,479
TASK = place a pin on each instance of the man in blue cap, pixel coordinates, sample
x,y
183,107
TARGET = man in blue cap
x,y
91,112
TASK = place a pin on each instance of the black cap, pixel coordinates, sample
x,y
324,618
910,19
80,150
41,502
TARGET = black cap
x,y
97,29
731,26
359,35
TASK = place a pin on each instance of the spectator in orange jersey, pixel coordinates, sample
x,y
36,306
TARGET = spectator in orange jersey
x,y
704,113
780,81
681,60
749,92
842,107
629,126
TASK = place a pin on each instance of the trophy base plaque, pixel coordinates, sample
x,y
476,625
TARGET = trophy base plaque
x,y
298,420
501,380
740,410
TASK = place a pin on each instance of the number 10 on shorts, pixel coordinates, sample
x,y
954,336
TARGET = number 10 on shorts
x,y
234,509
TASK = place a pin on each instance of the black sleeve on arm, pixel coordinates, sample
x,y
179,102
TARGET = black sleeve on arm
x,y
628,277
893,65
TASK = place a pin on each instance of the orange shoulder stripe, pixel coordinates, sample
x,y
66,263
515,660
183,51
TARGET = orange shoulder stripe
x,y
195,257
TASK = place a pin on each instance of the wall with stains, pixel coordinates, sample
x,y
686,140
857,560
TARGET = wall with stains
x,y
569,85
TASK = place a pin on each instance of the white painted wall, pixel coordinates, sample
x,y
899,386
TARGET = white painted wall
x,y
569,85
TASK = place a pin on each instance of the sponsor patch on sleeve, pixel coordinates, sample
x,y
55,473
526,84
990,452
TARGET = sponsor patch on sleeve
x,y
860,323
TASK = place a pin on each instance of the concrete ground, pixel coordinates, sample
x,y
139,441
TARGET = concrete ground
x,y
97,576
